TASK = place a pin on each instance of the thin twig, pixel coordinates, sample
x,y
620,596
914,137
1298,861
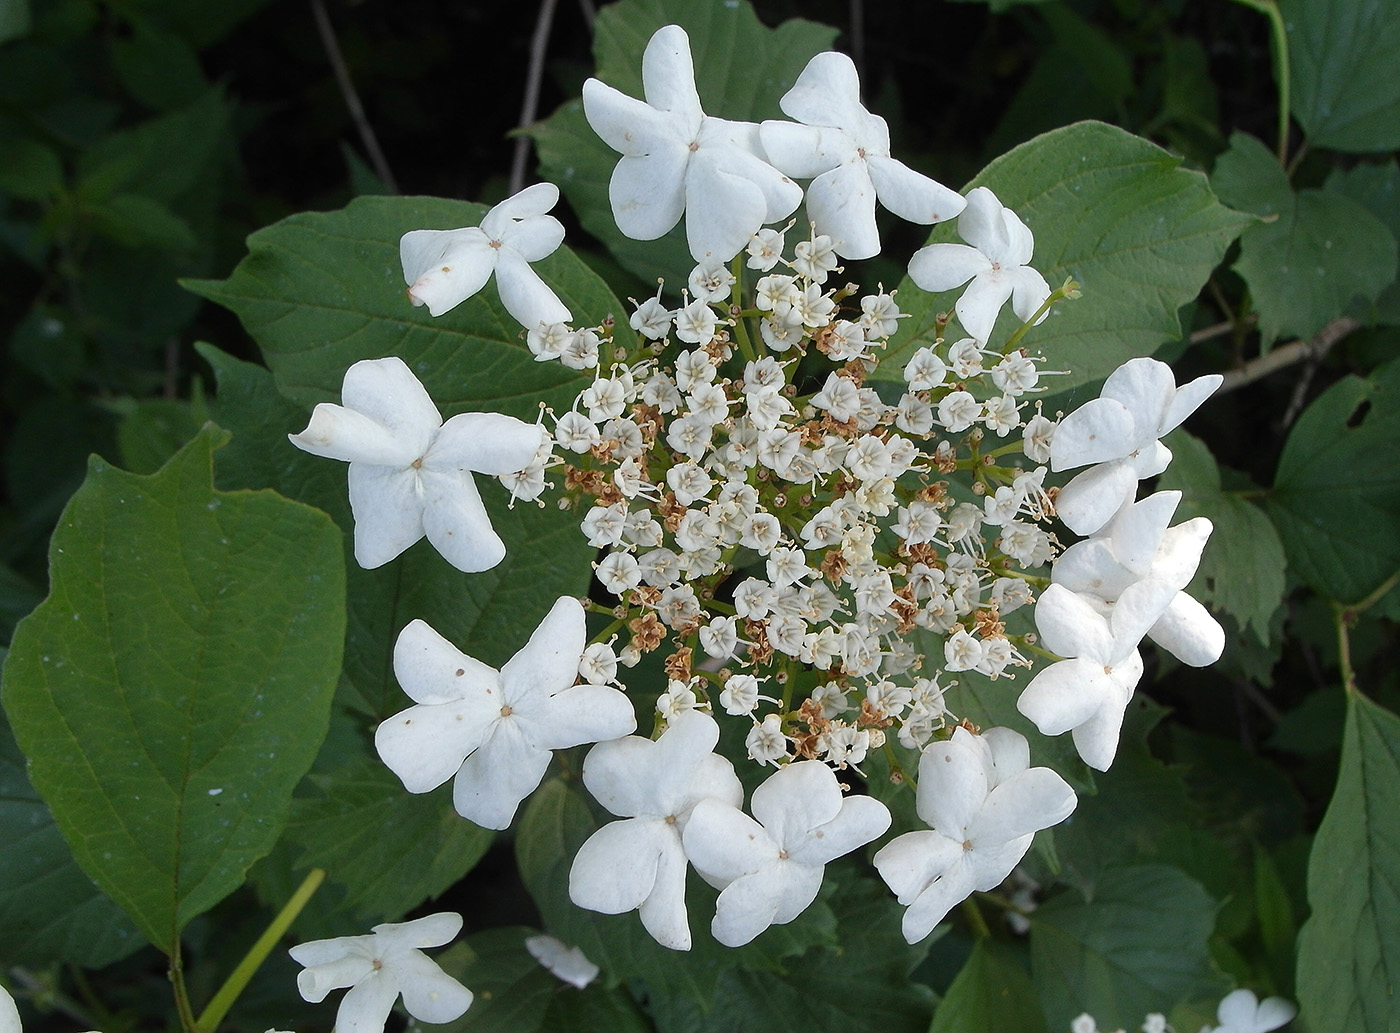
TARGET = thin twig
x,y
538,45
1210,333
1288,354
589,12
352,98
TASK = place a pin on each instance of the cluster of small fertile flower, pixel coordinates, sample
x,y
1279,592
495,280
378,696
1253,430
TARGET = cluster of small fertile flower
x,y
769,519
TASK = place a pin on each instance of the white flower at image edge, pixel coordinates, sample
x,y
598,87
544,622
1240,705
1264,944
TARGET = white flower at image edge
x,y
495,730
639,863
676,159
9,1014
983,804
1242,1012
996,263
847,150
381,966
410,473
444,268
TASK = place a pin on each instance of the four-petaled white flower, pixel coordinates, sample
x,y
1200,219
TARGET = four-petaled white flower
x,y
769,870
676,159
1242,1012
378,968
639,863
444,268
1089,692
984,804
1119,432
410,473
996,263
847,150
495,730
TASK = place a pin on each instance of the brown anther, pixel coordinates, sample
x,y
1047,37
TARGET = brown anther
x,y
833,566
967,723
757,632
985,624
677,665
871,717
647,631
645,596
672,512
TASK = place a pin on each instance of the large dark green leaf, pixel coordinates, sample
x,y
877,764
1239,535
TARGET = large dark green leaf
x,y
1344,54
176,683
1349,950
992,991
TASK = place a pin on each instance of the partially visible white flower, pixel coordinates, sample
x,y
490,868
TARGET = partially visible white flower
x,y
676,159
847,150
567,963
9,1014
411,474
638,863
381,966
444,268
770,869
495,730
996,263
1242,1012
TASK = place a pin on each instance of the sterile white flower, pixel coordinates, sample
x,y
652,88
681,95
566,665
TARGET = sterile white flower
x,y
676,159
996,263
9,1014
1242,1012
444,268
567,963
410,473
984,804
847,150
495,730
770,869
639,863
381,966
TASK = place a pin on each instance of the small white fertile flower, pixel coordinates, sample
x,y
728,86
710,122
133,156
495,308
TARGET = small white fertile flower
x,y
766,742
740,695
814,258
879,315
567,963
676,159
996,263
495,730
925,370
598,666
619,572
639,863
446,267
381,966
983,803
770,869
410,473
1242,1012
710,281
1084,1023
847,150
765,248
652,319
958,410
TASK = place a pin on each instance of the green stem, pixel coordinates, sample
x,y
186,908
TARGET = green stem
x,y
182,995
1343,618
1069,289
228,993
980,929
741,330
1279,38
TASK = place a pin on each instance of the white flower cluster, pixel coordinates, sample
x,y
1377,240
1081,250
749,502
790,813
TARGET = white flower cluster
x,y
1239,1012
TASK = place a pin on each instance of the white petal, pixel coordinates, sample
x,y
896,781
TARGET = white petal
x,y
435,930
366,1006
749,905
663,913
567,963
908,863
425,745
863,819
525,296
1071,627
842,204
328,967
335,432
455,521
627,125
1239,1010
1024,804
668,74
1065,695
619,775
1091,498
944,267
548,662
534,238
1147,388
388,515
9,1014
1090,570
1274,1012
724,843
647,193
525,206
980,302
429,993
1136,610
582,714
387,392
1189,632
1010,753
933,905
444,268
1098,431
795,799
952,786
983,225
1188,399
1179,552
827,93
484,442
1097,738
616,867
912,195
433,670
495,779
1028,292
804,151
722,209
1136,530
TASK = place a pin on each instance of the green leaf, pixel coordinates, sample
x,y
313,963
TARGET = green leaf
x,y
154,429
1241,570
158,68
1139,947
14,19
1377,189
1336,497
50,910
741,69
1138,232
320,291
489,615
555,823
1343,56
176,684
516,994
390,849
1305,266
135,221
1277,928
1349,950
30,170
992,991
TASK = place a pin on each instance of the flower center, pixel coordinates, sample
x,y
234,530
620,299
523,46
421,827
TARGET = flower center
x,y
506,711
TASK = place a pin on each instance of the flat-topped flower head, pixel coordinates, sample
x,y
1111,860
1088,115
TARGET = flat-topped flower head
x,y
444,268
495,731
410,473
996,263
847,150
381,966
676,159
